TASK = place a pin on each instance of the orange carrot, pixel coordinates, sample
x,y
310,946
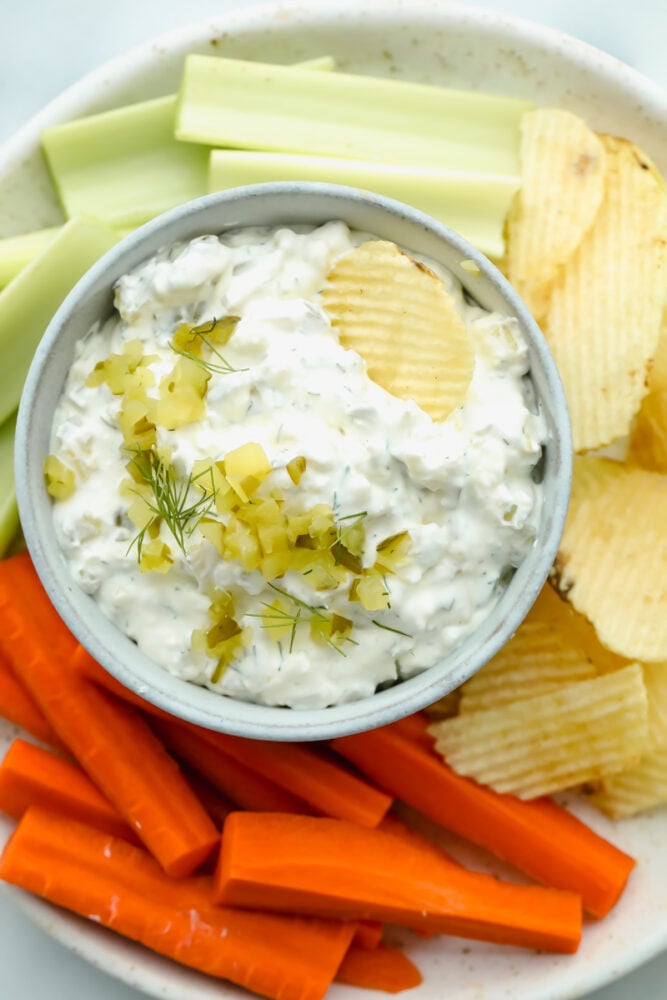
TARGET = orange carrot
x,y
109,739
368,934
385,968
262,776
246,788
330,868
21,589
540,838
18,707
414,727
32,776
303,774
321,782
217,805
120,886
86,666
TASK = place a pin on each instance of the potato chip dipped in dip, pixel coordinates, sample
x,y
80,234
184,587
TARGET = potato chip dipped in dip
x,y
297,464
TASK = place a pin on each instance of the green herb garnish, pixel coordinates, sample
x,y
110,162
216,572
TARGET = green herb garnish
x,y
219,330
170,501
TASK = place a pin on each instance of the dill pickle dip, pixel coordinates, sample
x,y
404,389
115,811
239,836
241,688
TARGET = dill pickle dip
x,y
254,511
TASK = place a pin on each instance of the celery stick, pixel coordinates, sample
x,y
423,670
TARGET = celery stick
x,y
323,64
17,251
9,515
228,102
475,205
30,300
124,167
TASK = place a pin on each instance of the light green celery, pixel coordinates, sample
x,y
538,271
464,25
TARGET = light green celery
x,y
17,251
245,105
322,64
474,204
124,167
9,516
30,300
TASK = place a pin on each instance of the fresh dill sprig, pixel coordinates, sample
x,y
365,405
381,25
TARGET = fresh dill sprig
x,y
388,628
170,501
200,333
276,617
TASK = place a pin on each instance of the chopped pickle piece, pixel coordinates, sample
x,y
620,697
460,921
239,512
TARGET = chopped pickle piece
x,y
277,620
60,481
182,394
393,552
371,591
242,544
296,468
155,557
213,532
245,468
114,371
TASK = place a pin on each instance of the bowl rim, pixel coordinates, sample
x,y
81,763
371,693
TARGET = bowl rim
x,y
212,709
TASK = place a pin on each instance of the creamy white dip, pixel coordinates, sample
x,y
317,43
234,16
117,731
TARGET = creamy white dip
x,y
463,489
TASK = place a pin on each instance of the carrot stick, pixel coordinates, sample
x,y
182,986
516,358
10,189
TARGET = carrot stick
x,y
120,886
303,774
18,707
414,727
257,775
385,968
246,788
86,666
218,806
32,776
322,783
109,739
331,868
20,587
299,771
543,840
368,934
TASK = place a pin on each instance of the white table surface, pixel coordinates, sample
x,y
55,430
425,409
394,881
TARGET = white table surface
x,y
47,44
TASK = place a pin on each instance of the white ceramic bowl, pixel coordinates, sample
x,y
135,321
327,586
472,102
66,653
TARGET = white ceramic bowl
x,y
92,300
450,45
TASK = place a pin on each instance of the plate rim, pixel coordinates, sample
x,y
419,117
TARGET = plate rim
x,y
22,143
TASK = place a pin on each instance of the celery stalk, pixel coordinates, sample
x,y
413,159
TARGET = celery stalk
x,y
30,300
124,167
17,251
228,102
322,64
474,204
9,516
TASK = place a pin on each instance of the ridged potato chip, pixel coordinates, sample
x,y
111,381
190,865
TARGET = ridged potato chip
x,y
446,707
612,561
655,680
635,790
563,169
545,654
537,746
657,379
648,442
402,320
604,315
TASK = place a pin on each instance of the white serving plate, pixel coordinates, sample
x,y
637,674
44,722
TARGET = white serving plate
x,y
445,44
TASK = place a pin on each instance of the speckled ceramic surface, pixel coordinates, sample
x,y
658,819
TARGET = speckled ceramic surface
x,y
443,44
